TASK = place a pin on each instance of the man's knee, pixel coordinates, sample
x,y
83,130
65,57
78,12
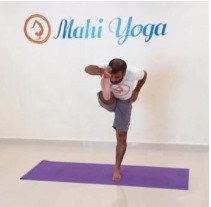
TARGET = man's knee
x,y
110,101
121,137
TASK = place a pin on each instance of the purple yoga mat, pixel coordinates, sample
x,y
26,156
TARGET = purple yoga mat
x,y
139,176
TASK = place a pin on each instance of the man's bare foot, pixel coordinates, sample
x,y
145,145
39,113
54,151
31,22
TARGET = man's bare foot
x,y
106,84
116,175
107,72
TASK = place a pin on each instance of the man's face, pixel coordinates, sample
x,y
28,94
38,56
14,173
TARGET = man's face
x,y
117,77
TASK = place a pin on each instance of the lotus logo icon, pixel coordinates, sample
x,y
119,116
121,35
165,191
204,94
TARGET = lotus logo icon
x,y
37,29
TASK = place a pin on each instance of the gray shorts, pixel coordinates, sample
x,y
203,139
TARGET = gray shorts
x,y
122,112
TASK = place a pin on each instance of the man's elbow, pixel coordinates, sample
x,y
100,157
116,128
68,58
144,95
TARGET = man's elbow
x,y
86,69
145,75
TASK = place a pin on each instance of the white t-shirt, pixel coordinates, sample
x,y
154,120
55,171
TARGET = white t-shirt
x,y
124,89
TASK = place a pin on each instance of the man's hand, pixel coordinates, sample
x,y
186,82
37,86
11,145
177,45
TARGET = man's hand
x,y
138,88
134,96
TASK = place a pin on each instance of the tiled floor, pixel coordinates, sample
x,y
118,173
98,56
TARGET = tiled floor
x,y
19,156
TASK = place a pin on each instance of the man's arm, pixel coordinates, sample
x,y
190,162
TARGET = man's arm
x,y
94,70
138,87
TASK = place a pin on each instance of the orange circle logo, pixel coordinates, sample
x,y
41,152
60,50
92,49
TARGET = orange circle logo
x,y
37,29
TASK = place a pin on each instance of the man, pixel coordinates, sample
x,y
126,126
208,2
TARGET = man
x,y
117,95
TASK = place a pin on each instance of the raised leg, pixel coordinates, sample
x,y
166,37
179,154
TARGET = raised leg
x,y
106,88
107,97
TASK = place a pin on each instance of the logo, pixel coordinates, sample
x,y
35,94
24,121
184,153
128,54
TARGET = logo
x,y
120,90
37,29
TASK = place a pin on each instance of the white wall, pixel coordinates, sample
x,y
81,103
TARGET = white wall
x,y
45,94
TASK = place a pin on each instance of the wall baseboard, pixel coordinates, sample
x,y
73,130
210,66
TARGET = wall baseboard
x,y
170,146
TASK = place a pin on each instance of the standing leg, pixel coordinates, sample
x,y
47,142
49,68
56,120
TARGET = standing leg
x,y
120,152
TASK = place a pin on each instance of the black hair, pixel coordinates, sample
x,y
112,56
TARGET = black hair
x,y
117,65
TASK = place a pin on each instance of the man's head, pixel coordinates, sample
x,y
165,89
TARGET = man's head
x,y
118,71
